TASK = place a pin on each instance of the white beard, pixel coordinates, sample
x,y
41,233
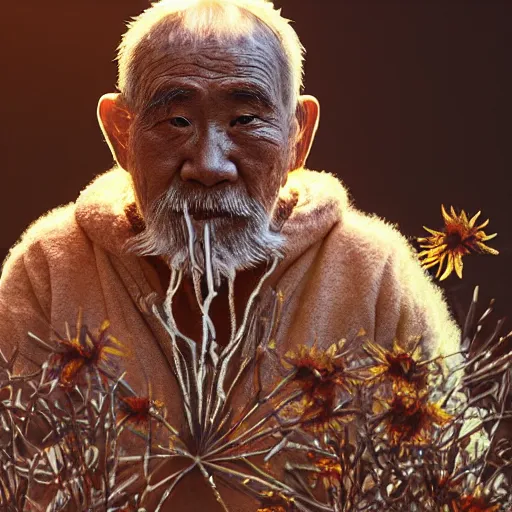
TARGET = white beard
x,y
241,236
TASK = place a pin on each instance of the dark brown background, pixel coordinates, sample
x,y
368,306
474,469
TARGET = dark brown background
x,y
415,102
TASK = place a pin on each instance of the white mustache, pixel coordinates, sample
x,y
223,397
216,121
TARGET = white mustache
x,y
226,203
235,245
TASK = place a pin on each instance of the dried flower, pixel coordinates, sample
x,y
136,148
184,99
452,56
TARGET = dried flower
x,y
84,350
410,420
460,237
319,372
401,367
308,360
314,460
317,416
137,409
326,469
474,503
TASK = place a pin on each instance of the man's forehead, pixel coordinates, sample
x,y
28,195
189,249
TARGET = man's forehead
x,y
250,62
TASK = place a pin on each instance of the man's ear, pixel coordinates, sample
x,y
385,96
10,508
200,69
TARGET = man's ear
x,y
307,116
115,121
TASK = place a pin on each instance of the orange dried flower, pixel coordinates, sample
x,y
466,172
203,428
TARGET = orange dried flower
x,y
317,416
137,409
83,350
398,365
459,238
411,421
326,466
325,469
320,374
319,371
473,503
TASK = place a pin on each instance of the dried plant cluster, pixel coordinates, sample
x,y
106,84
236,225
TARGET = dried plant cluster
x,y
353,427
460,236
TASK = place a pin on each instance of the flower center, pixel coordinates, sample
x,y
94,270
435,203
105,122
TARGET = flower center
x,y
453,240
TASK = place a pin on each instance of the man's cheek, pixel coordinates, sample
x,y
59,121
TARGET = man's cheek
x,y
150,146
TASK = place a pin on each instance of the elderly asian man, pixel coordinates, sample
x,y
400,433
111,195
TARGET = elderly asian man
x,y
209,126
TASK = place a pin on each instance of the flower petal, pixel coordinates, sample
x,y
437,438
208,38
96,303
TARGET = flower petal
x,y
430,265
474,218
441,261
458,265
446,217
485,249
430,259
437,250
488,237
433,231
483,225
449,267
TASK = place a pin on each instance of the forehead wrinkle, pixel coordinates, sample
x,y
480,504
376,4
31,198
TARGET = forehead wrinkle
x,y
225,65
163,85
235,90
158,65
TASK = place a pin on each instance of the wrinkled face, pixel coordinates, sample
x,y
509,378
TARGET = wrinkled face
x,y
211,130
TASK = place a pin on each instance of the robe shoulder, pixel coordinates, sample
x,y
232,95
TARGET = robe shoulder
x,y
385,276
53,233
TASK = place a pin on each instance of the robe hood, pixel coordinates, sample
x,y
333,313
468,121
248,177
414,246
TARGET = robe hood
x,y
106,210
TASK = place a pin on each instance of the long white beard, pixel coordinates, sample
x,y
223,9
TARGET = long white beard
x,y
240,238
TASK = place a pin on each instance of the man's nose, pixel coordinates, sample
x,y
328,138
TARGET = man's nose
x,y
208,162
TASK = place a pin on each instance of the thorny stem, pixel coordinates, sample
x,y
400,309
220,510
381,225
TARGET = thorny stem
x,y
211,483
222,440
237,440
254,408
179,475
267,482
207,330
232,347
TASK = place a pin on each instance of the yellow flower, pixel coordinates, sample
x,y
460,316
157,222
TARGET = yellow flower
x,y
400,366
137,409
319,371
84,350
316,415
409,421
459,238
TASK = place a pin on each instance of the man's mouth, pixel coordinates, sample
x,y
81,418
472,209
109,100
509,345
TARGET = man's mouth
x,y
208,215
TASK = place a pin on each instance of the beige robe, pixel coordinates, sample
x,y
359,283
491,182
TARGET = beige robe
x,y
343,270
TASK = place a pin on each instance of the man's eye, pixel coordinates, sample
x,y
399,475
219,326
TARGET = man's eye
x,y
243,120
179,122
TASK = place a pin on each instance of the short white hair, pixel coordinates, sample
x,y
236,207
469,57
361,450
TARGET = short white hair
x,y
202,17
